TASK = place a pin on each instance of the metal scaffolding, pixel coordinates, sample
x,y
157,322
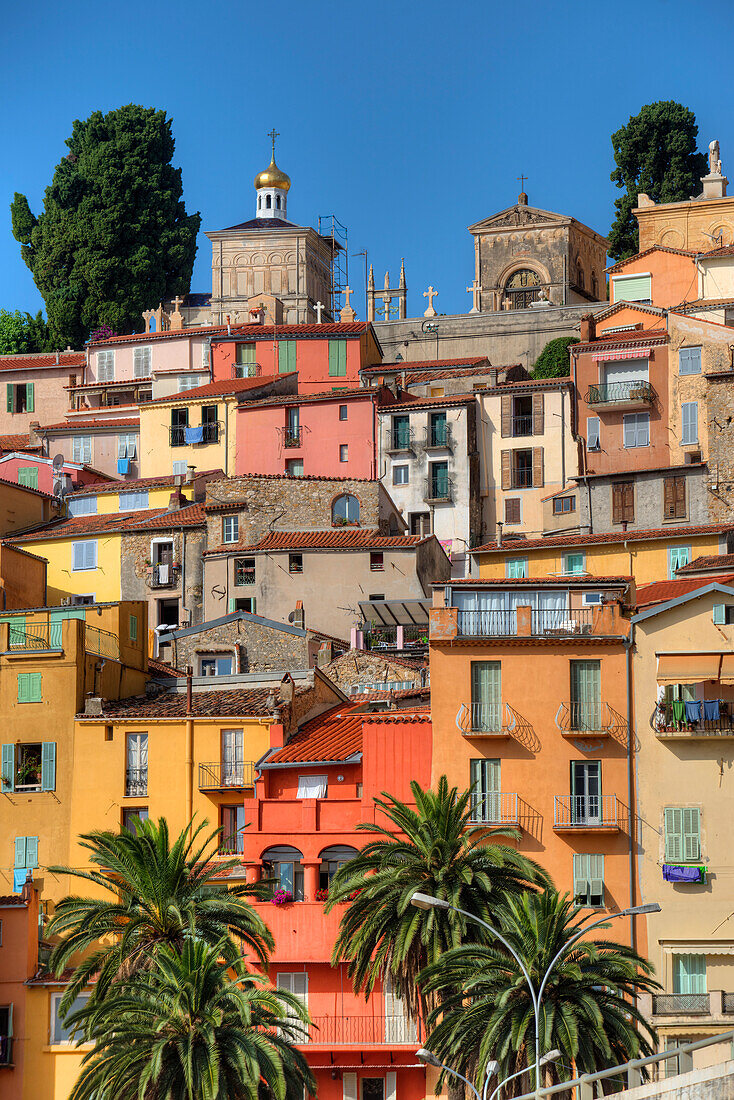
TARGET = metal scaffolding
x,y
331,229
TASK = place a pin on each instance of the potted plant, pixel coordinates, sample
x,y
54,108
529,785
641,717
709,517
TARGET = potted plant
x,y
321,894
282,897
29,772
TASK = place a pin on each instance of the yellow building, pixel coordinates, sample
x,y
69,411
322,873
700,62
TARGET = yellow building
x,y
105,497
647,555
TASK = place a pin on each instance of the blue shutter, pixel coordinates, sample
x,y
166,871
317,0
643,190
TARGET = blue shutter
x,y
31,851
48,766
8,768
689,361
719,614
20,849
689,413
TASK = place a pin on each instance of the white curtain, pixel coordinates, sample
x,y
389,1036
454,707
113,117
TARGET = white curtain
x,y
312,786
552,611
483,607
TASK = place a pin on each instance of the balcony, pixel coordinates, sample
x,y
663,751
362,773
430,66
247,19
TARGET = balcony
x,y
399,440
216,776
410,636
102,643
544,623
439,437
635,394
495,808
593,716
36,636
439,490
362,1031
522,425
183,435
682,1004
247,370
244,576
136,783
521,477
668,727
162,575
292,437
586,813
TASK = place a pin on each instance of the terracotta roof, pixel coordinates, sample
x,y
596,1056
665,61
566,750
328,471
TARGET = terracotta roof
x,y
415,714
654,248
34,361
219,332
17,443
701,304
516,545
423,378
426,364
714,253
656,311
237,703
112,523
533,383
26,488
642,470
12,899
319,635
162,668
388,694
335,735
92,425
429,402
709,563
305,398
660,591
125,384
415,664
225,387
621,339
350,538
533,582
107,486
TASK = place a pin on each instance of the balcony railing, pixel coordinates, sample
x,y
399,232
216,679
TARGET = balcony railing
x,y
585,716
209,434
218,776
362,1030
495,808
163,576
521,477
292,437
244,576
558,623
681,1004
637,391
668,722
101,643
176,435
38,636
439,437
136,782
585,811
390,637
6,1050
439,490
486,717
399,439
522,425
727,1002
246,370
231,845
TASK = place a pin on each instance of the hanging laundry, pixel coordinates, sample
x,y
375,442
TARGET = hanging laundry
x,y
195,434
163,569
693,710
711,710
123,465
677,708
673,873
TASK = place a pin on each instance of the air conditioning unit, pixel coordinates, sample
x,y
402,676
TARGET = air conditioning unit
x,y
66,601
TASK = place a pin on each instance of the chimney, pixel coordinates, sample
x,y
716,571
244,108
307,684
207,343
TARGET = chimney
x,y
176,500
190,472
189,690
93,706
57,359
34,437
499,532
588,328
298,617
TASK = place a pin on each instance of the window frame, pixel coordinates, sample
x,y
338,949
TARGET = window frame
x,y
295,562
404,467
686,424
84,568
638,418
230,529
85,449
690,359
673,563
54,1040
510,568
574,572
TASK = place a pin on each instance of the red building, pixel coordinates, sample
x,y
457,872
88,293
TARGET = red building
x,y
299,828
326,357
38,472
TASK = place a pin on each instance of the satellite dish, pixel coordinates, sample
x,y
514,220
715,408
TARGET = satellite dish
x,y
58,462
58,488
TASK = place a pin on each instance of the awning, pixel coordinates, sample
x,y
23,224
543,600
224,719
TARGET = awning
x,y
726,676
395,612
699,948
688,668
621,353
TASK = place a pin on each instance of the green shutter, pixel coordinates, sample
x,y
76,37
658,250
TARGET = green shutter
x,y
337,358
31,851
596,879
20,851
689,974
637,289
673,821
581,879
286,356
9,392
28,476
586,695
29,687
231,606
719,614
133,629
30,405
22,687
8,768
691,834
48,766
486,695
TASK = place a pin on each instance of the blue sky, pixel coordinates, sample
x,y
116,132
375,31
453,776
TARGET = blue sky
x,y
408,121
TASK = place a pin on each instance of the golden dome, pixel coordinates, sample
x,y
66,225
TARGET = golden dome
x,y
272,177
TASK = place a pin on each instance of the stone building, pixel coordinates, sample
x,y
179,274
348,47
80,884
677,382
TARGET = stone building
x,y
699,223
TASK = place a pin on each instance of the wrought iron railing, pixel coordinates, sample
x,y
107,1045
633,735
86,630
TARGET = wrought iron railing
x,y
210,431
177,435
292,437
218,775
522,425
377,1030
439,489
400,439
37,636
727,1002
246,370
136,782
584,716
486,624
163,576
486,717
618,393
244,576
101,643
681,1004
439,436
585,811
671,720
383,637
494,808
521,477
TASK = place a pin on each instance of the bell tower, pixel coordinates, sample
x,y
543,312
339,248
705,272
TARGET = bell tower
x,y
272,188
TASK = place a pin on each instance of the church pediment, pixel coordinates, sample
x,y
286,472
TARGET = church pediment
x,y
519,216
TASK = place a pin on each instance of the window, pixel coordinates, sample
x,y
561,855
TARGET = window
x,y
588,880
586,804
26,859
179,468
142,362
437,391
637,430
127,445
132,628
562,505
682,828
689,974
377,561
294,982
233,758
29,687
60,1032
187,382
689,423
674,498
723,614
294,467
516,568
29,767
344,452
245,360
295,563
632,288
81,448
243,603
574,563
591,599
522,288
312,786
136,774
677,557
132,816
20,397
345,509
689,361
82,506
593,436
486,696
337,358
84,555
216,666
486,787
400,475
286,356
586,695
438,430
283,863
209,424
439,484
105,366
244,571
420,523
230,528
232,841
513,510
343,412
400,433
623,502
332,860
28,476
83,600
132,502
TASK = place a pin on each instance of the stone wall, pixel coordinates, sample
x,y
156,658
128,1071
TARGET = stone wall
x,y
256,645
359,666
648,495
720,437
135,576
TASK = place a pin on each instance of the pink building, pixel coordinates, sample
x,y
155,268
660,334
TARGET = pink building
x,y
37,472
35,388
326,434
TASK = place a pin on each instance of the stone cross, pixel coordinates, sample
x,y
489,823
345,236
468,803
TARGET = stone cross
x,y
475,290
347,294
430,294
177,302
347,314
320,307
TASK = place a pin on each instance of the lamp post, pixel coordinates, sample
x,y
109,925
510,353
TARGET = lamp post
x,y
551,1056
430,1059
427,901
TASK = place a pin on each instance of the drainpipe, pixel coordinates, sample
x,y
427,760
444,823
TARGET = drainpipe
x,y
189,745
183,575
226,438
563,438
630,784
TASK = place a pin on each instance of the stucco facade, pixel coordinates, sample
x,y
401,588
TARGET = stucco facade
x,y
672,274
647,499
34,388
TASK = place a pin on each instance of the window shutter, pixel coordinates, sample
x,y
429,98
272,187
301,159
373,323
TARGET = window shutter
x,y
581,879
506,462
719,620
9,391
31,851
506,416
596,879
34,687
628,502
48,766
630,431
616,503
349,1086
538,413
391,1089
689,411
231,606
592,433
300,985
636,289
673,834
691,834
8,767
538,467
30,405
22,687
20,849
680,497
669,498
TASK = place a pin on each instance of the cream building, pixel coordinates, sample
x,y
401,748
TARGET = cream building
x,y
683,674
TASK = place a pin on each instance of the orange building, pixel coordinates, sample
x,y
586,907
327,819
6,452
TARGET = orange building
x,y
530,688
19,933
659,276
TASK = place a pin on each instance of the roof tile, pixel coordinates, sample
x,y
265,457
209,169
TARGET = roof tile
x,y
351,538
515,545
221,333
225,387
35,361
116,523
335,735
237,703
661,591
710,562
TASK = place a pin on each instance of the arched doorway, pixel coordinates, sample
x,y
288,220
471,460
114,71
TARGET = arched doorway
x,y
522,288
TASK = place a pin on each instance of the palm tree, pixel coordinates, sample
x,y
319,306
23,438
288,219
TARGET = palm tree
x,y
186,1031
434,849
588,1010
153,894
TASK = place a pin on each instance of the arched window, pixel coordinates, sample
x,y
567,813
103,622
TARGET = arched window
x,y
345,509
580,282
331,860
259,202
522,288
277,201
594,287
268,201
283,863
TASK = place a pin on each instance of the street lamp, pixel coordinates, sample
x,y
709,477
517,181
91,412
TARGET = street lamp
x,y
427,901
430,1059
551,1056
